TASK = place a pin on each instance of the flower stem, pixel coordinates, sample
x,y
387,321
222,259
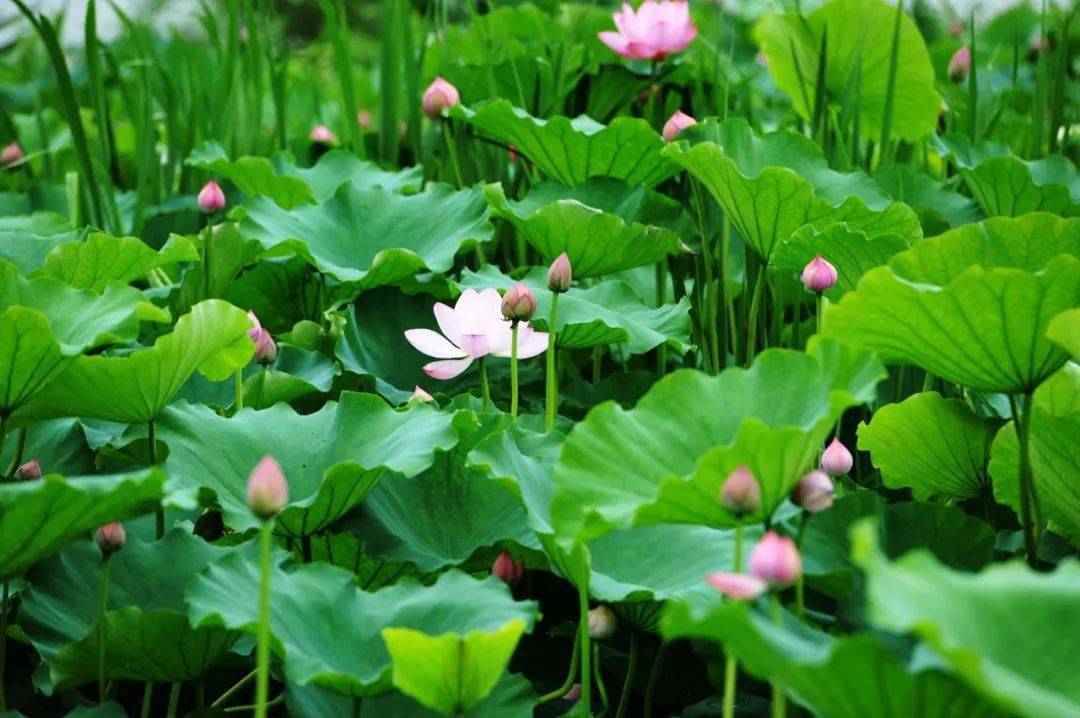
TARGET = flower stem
x,y
551,386
451,149
822,302
159,514
207,232
174,700
3,644
484,388
103,630
599,679
16,461
779,699
1022,423
631,668
262,663
654,678
239,388
586,650
147,700
514,369
571,674
232,691
800,600
731,664
3,431
752,317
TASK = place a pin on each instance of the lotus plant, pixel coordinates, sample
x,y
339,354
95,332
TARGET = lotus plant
x,y
29,471
267,495
652,32
836,460
818,277
507,570
560,275
676,124
518,305
110,538
211,201
11,154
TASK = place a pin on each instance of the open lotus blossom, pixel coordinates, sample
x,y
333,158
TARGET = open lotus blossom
x,y
323,135
836,460
960,64
11,154
473,328
740,586
656,30
676,124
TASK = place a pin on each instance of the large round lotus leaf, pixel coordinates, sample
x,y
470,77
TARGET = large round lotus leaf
x,y
931,445
971,305
27,250
603,226
148,634
572,151
103,258
773,184
59,445
855,676
1004,631
1064,330
133,388
331,459
851,251
254,176
38,518
858,37
939,206
374,236
339,166
328,632
1055,454
665,460
609,312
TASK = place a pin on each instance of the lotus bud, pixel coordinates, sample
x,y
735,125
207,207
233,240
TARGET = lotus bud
x,y
11,154
740,586
267,490
819,275
560,274
1040,43
211,198
29,471
419,395
574,694
265,347
111,538
775,560
440,95
836,459
960,64
507,570
741,493
676,124
323,135
814,492
602,622
364,119
519,303
956,28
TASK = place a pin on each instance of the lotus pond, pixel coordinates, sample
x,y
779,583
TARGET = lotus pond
x,y
408,358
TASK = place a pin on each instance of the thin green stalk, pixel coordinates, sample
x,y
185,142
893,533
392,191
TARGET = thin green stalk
x,y
890,89
586,650
485,389
731,664
928,382
239,389
779,698
596,362
601,689
800,598
551,385
3,644
147,700
661,292
1022,424
820,316
973,89
654,679
262,663
16,460
571,674
752,317
159,513
174,699
3,431
262,389
451,151
207,233
514,369
236,687
631,668
103,629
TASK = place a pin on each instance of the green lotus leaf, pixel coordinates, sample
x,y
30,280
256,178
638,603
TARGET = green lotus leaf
x,y
230,253
1064,330
108,709
1055,454
854,676
45,325
572,151
773,184
331,459
609,312
931,445
346,550
328,632
148,634
254,176
665,460
1002,631
1004,184
27,250
211,339
281,293
851,251
938,206
59,445
37,518
374,236
603,225
971,305
339,166
40,223
859,44
103,258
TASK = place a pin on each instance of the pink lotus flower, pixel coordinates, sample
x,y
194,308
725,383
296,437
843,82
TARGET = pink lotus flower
x,y
836,459
814,492
676,124
656,30
819,275
741,493
111,538
440,95
323,135
960,64
507,570
473,328
267,490
265,348
211,199
11,154
29,471
740,586
420,395
775,560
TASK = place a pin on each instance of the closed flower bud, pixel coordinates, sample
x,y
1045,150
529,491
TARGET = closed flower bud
x,y
265,348
29,471
518,304
740,586
741,493
775,560
560,274
323,135
419,395
602,622
814,492
956,28
676,124
440,95
111,538
819,275
211,198
836,460
507,570
267,490
364,119
11,154
960,64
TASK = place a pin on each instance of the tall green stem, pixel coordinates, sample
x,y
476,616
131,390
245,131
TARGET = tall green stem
x,y
586,650
800,599
779,699
628,683
551,386
1022,423
207,232
571,674
103,629
3,644
752,318
3,431
159,513
16,460
451,150
654,678
174,700
514,368
262,662
147,700
485,389
238,387
820,316
731,665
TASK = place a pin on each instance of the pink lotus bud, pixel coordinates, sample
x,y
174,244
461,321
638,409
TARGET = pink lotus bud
x,y
740,586
29,471
956,28
676,124
741,493
267,490
775,560
507,570
440,95
11,154
519,303
602,622
1040,43
574,694
420,395
265,348
111,538
960,64
323,135
211,198
560,275
836,459
819,275
364,119
814,492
